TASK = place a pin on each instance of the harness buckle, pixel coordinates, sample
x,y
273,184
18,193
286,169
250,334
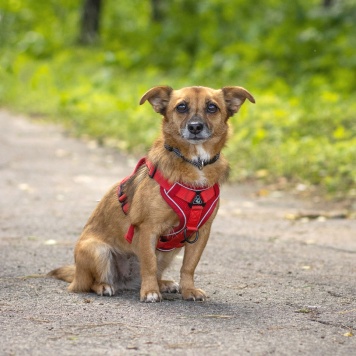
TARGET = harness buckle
x,y
197,200
186,239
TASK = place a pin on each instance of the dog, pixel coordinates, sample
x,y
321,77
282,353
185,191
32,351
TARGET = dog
x,y
168,203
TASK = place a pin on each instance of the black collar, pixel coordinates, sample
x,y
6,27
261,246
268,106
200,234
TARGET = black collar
x,y
199,163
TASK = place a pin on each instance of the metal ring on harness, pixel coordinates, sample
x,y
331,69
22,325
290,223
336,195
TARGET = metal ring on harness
x,y
189,241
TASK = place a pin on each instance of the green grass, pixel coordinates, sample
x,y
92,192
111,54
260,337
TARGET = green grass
x,y
297,60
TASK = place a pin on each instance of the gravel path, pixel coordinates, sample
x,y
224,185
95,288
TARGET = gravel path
x,y
276,285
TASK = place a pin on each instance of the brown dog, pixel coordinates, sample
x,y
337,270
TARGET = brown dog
x,y
121,245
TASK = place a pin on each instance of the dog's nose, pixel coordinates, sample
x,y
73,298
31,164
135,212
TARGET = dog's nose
x,y
195,127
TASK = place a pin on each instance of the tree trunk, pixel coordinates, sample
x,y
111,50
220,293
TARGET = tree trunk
x,y
328,3
90,21
157,13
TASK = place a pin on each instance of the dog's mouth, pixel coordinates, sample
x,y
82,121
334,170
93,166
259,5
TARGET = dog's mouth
x,y
195,139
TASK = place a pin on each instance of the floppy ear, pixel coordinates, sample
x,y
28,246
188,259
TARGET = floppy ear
x,y
158,98
235,97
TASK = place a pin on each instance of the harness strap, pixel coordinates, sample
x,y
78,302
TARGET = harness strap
x,y
194,218
130,234
121,195
157,175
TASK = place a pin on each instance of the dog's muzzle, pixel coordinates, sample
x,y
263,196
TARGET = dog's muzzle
x,y
195,130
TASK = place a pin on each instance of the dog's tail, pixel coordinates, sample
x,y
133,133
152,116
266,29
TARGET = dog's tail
x,y
65,273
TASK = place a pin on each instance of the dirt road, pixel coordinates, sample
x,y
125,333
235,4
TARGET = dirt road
x,y
276,286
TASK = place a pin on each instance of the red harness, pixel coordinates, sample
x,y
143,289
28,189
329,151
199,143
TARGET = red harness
x,y
193,206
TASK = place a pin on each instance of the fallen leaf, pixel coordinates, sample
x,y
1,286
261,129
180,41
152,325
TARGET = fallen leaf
x,y
131,347
291,216
263,193
349,334
306,267
50,242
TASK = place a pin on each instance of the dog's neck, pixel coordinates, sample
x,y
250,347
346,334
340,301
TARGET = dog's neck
x,y
200,160
176,169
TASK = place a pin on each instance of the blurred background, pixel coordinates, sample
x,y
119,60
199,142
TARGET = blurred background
x,y
86,63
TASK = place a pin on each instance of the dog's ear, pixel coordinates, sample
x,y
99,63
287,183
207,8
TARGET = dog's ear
x,y
158,98
235,97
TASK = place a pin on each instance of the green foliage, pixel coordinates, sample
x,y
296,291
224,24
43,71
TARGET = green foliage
x,y
297,58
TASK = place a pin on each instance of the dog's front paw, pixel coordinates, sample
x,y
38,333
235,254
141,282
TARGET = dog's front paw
x,y
168,286
151,297
193,294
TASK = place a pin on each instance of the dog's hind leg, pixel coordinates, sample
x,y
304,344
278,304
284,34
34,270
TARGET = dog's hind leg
x,y
95,270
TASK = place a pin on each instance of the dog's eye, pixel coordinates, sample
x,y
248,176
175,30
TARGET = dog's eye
x,y
181,108
211,108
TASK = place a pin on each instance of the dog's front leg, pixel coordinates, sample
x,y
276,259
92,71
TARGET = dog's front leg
x,y
148,263
192,254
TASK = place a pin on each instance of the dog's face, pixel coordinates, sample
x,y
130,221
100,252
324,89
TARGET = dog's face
x,y
195,115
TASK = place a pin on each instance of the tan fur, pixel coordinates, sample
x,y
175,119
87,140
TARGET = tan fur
x,y
104,261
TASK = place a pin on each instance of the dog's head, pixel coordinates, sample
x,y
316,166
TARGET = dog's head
x,y
195,115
